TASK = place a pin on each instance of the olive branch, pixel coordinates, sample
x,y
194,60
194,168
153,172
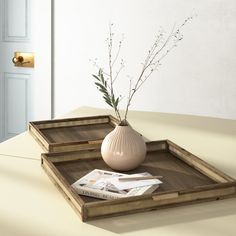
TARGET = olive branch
x,y
107,92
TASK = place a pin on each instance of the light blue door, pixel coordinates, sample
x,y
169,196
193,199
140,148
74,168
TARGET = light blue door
x,y
25,93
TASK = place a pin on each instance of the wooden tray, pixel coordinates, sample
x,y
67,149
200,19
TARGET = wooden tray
x,y
72,134
186,180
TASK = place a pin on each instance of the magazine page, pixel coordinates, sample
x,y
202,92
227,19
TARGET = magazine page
x,y
106,185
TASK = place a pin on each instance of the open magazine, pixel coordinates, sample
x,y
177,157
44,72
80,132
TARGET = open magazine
x,y
106,185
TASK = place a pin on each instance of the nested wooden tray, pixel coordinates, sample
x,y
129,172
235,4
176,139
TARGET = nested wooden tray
x,y
72,134
186,180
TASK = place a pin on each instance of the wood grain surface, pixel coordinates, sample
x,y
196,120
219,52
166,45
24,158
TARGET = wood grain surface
x,y
184,181
72,134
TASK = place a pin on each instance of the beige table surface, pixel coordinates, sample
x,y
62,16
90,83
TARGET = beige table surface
x,y
30,205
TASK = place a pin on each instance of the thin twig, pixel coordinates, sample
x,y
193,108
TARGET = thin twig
x,y
161,47
149,61
118,51
118,72
110,43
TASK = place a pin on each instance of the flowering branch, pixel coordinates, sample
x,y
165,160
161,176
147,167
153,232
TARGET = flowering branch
x,y
150,63
161,47
106,85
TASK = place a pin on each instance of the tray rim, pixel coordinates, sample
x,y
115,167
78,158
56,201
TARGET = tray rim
x,y
224,187
72,119
48,146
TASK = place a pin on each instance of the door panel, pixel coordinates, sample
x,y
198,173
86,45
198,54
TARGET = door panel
x,y
16,20
17,107
25,92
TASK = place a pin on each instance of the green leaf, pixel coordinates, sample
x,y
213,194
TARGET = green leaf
x,y
99,72
106,95
113,99
102,78
96,77
97,83
100,86
108,101
103,91
117,102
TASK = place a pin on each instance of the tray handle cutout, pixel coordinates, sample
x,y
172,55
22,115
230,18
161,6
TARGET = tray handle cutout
x,y
165,196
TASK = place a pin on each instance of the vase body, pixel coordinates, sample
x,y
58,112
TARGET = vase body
x,y
123,148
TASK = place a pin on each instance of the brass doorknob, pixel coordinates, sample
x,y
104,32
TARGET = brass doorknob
x,y
23,59
18,59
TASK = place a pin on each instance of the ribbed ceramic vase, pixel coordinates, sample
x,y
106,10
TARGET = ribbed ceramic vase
x,y
123,148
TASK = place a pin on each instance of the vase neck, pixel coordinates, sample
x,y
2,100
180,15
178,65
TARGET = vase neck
x,y
124,123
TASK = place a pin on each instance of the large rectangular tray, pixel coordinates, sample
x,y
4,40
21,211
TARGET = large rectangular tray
x,y
72,134
186,180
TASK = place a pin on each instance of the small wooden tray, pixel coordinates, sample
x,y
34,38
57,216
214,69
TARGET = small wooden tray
x,y
72,134
186,180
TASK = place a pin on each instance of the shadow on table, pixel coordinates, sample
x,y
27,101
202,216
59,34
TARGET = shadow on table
x,y
165,217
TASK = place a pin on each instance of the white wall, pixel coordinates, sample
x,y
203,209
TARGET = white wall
x,y
198,78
